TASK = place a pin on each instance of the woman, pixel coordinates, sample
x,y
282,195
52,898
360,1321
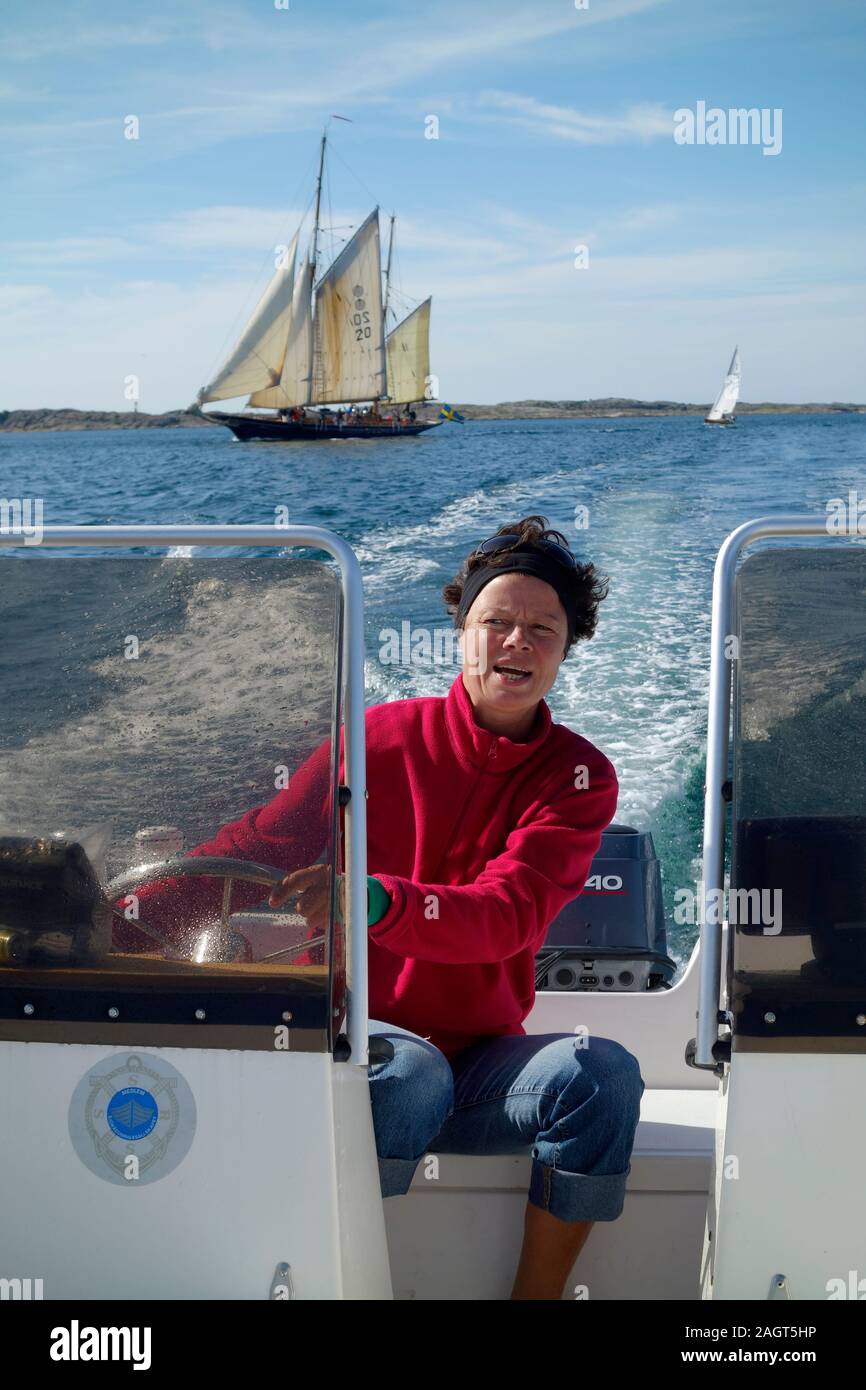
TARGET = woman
x,y
488,830
483,820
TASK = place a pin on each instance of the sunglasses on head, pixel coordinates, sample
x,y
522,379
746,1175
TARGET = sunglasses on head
x,y
556,551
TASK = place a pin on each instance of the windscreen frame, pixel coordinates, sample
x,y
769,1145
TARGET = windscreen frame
x,y
226,1027
717,788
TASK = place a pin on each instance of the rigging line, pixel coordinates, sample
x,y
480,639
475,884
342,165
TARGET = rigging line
x,y
408,305
357,177
244,312
407,299
410,299
330,230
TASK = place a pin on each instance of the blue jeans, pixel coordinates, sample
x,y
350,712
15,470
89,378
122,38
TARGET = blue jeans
x,y
573,1102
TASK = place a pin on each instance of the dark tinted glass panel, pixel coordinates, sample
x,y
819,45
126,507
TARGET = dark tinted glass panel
x,y
157,708
798,903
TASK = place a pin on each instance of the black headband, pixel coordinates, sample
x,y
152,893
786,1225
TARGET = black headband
x,y
521,562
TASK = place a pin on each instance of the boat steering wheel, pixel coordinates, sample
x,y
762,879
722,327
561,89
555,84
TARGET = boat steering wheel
x,y
221,943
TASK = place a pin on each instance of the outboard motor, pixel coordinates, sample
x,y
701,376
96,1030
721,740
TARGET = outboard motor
x,y
613,936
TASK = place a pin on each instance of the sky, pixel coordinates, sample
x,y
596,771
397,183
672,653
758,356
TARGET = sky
x,y
556,131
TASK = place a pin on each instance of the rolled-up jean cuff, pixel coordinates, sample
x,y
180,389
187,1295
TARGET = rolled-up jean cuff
x,y
577,1196
396,1174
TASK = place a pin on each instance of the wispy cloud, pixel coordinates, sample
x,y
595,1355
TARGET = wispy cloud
x,y
646,219
22,91
644,121
63,37
204,108
629,325
21,297
239,228
408,48
61,251
456,40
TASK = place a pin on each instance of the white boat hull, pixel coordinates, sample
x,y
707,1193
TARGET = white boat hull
x,y
282,1169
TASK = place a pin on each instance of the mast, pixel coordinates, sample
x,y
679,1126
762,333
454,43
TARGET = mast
x,y
313,253
385,308
315,246
388,270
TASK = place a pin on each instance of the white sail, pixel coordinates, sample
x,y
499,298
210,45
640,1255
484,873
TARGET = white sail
x,y
294,384
257,359
408,354
349,327
726,401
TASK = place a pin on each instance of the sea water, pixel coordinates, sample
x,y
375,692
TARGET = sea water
x,y
649,501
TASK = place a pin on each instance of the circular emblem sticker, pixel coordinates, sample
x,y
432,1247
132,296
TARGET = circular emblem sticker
x,y
132,1113
132,1118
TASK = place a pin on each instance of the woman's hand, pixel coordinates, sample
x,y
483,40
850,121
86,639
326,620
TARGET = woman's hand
x,y
312,888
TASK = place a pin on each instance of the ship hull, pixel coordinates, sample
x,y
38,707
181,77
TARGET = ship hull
x,y
294,431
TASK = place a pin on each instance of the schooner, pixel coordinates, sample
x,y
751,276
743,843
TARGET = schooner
x,y
721,412
317,347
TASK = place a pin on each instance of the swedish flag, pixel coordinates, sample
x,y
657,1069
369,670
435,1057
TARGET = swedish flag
x,y
449,413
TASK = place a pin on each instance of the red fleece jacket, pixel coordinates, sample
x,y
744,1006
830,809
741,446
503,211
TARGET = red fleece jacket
x,y
480,842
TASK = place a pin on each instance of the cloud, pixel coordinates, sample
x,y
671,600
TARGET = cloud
x,y
16,297
636,326
204,106
50,40
15,91
259,230
644,121
454,40
67,251
248,228
647,218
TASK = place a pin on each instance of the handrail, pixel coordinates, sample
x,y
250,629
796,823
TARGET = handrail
x,y
317,538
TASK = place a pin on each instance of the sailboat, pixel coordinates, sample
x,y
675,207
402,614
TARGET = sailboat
x,y
722,410
317,348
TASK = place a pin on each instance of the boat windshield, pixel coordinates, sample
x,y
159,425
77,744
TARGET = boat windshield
x,y
168,762
798,900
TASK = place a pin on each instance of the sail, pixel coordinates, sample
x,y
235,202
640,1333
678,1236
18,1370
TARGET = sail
x,y
257,360
349,331
408,353
294,384
726,401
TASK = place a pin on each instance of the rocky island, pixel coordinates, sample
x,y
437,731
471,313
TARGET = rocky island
x,y
607,408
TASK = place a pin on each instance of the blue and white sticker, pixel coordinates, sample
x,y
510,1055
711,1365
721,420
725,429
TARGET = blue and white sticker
x,y
132,1113
132,1119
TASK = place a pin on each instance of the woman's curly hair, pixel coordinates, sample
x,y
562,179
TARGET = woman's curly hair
x,y
590,588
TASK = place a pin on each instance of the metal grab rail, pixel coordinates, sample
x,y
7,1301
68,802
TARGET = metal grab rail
x,y
718,747
315,538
